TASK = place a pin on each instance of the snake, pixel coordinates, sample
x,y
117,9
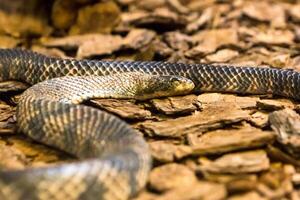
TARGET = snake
x,y
114,159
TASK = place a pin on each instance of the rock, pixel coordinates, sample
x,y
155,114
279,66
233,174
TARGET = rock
x,y
8,42
123,108
167,152
18,20
266,12
210,118
37,152
275,184
221,141
171,176
178,41
277,154
178,6
138,38
161,18
294,12
200,190
52,52
98,18
210,40
271,104
176,105
87,45
237,163
260,119
64,13
12,158
249,195
206,15
268,36
217,99
223,55
286,125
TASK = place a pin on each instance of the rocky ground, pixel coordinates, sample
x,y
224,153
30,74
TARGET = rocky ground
x,y
205,146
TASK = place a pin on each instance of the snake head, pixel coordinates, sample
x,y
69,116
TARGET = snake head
x,y
154,86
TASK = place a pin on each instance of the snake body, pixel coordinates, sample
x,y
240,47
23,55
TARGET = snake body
x,y
118,158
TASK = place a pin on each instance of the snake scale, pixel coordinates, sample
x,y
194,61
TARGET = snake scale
x,y
116,159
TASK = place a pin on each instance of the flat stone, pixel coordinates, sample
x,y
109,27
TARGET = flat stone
x,y
266,12
250,195
236,163
223,55
138,38
294,12
210,118
8,42
101,17
124,108
12,158
211,40
286,125
199,190
221,141
167,152
244,102
271,104
18,20
278,154
176,105
161,18
86,44
171,176
260,119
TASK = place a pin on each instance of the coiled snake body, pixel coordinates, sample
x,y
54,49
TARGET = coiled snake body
x,y
117,158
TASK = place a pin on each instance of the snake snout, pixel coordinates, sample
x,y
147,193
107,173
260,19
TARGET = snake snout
x,y
182,85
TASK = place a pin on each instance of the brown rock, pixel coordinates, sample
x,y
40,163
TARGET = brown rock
x,y
249,195
178,6
210,40
223,55
221,141
260,119
167,152
266,12
269,36
271,104
178,41
12,158
99,18
8,42
199,190
52,52
19,20
87,44
123,108
210,118
160,18
286,125
171,176
138,38
241,162
176,105
294,11
217,99
64,13
206,15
